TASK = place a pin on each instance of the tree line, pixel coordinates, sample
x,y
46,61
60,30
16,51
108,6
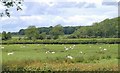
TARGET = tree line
x,y
108,28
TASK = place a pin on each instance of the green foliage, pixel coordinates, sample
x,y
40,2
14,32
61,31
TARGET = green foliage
x,y
107,28
9,4
6,36
42,36
32,33
65,41
21,32
57,30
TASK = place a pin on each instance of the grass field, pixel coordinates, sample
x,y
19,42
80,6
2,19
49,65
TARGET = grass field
x,y
55,57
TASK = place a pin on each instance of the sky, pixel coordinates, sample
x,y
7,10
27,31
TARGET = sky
x,y
45,13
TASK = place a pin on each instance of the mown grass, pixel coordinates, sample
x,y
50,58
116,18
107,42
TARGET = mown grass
x,y
35,57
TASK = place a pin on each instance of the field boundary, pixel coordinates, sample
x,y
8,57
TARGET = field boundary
x,y
65,41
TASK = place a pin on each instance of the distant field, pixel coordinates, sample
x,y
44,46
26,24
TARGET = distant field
x,y
84,57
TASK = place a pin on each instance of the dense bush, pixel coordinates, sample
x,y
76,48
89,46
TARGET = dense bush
x,y
65,41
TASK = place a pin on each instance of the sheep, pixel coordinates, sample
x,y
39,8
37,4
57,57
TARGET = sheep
x,y
71,47
66,48
74,45
100,47
70,57
11,53
2,47
47,52
81,52
104,49
53,52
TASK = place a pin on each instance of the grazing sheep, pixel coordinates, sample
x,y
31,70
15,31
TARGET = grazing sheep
x,y
71,47
2,47
53,52
11,53
74,45
47,52
81,52
66,48
70,57
100,47
104,49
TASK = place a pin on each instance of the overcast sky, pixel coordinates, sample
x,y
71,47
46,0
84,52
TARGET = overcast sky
x,y
45,13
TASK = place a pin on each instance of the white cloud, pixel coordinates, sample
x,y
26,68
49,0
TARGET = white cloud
x,y
2,7
51,2
31,18
47,13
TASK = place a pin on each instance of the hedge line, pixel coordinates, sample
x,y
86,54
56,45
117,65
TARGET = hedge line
x,y
65,41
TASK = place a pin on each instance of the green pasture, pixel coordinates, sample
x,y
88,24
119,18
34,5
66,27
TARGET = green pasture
x,y
33,56
38,51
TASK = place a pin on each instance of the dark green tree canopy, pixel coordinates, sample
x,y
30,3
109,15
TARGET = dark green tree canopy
x,y
32,33
6,36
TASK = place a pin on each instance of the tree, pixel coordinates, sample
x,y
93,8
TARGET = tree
x,y
32,33
21,32
9,4
9,35
56,31
42,36
6,36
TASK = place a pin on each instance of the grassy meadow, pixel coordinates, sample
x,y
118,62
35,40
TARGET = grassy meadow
x,y
60,57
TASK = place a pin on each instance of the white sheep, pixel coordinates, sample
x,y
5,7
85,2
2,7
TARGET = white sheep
x,y
73,45
47,51
11,53
2,47
66,48
70,57
104,49
53,52
81,52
